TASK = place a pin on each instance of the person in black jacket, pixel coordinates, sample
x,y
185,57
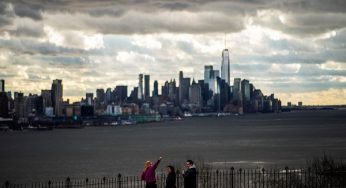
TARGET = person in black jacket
x,y
171,177
190,175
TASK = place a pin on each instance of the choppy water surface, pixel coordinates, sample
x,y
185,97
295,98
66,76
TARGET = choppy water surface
x,y
242,141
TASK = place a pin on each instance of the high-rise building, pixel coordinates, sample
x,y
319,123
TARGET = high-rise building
x,y
246,95
205,91
19,105
225,70
156,88
2,85
165,90
108,95
245,89
214,74
120,93
33,105
57,100
140,87
3,104
46,99
184,84
89,98
195,94
100,96
237,90
146,86
173,92
207,73
134,94
223,93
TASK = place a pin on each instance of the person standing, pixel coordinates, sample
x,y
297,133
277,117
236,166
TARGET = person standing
x,y
171,177
190,175
149,174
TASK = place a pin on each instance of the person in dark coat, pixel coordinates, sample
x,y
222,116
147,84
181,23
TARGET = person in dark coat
x,y
171,177
149,175
190,175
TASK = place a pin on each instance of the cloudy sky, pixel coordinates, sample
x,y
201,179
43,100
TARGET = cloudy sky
x,y
293,48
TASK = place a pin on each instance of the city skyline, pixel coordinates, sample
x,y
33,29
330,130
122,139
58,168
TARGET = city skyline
x,y
293,49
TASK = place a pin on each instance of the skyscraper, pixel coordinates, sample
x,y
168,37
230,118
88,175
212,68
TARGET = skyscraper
x,y
195,94
225,72
2,85
207,71
3,104
19,106
57,100
46,99
89,98
214,74
108,95
246,95
140,87
146,86
184,84
237,89
120,93
100,96
156,88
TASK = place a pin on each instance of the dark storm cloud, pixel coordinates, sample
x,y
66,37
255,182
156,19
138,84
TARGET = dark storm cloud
x,y
5,15
131,16
30,10
32,47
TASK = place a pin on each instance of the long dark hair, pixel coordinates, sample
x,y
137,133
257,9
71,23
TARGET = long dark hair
x,y
172,169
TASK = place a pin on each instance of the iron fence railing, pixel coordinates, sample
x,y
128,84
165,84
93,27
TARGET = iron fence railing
x,y
231,178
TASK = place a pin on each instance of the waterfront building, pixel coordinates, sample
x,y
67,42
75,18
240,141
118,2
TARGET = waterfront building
x,y
113,110
3,104
156,88
100,96
195,94
184,84
89,99
19,105
146,87
120,93
140,87
2,85
57,94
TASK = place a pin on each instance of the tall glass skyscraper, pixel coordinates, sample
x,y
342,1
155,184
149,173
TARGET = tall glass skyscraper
x,y
57,94
225,72
146,87
140,87
2,85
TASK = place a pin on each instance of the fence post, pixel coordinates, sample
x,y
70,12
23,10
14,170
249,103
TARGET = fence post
x,y
178,172
104,181
286,174
217,178
308,180
49,183
263,176
197,177
240,172
7,184
119,180
68,181
232,177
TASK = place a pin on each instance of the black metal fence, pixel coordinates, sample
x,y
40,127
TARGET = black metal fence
x,y
231,178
